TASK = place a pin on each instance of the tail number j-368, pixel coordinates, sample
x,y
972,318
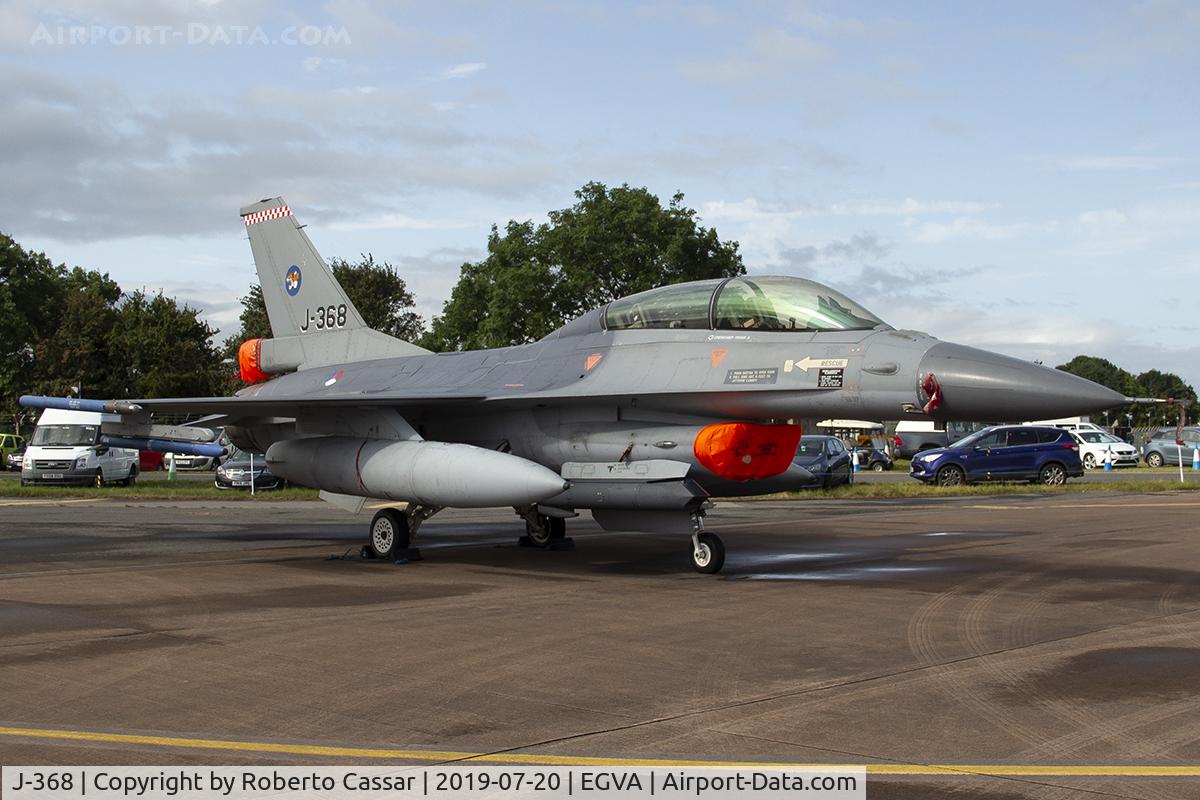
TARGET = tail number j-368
x,y
325,317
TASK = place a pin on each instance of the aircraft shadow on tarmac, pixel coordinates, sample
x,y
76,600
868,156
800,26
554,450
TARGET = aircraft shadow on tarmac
x,y
754,557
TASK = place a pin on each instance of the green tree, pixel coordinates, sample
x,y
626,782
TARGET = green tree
x,y
30,288
1151,383
611,243
1167,385
166,349
380,295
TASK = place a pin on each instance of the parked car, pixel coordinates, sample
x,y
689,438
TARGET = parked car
x,y
1075,425
150,461
1003,453
235,473
1096,446
14,459
188,462
917,436
10,443
826,457
1161,448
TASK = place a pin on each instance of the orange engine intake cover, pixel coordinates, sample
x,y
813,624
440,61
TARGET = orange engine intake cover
x,y
746,451
250,361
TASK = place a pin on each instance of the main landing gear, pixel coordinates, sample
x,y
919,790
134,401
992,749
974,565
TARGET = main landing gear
x,y
544,531
392,532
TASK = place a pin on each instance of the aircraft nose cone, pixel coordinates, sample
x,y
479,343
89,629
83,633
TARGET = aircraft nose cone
x,y
978,385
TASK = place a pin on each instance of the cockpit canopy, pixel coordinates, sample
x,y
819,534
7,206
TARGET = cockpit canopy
x,y
745,304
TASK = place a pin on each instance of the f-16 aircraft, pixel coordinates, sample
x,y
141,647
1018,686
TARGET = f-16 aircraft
x,y
641,411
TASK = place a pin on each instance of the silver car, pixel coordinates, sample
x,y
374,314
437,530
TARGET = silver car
x,y
1161,448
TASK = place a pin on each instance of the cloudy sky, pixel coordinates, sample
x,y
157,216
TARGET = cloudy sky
x,y
1019,176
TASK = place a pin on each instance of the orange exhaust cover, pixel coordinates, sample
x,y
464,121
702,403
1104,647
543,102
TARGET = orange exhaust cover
x,y
746,451
250,361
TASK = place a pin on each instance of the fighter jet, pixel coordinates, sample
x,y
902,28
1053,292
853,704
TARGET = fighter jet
x,y
642,411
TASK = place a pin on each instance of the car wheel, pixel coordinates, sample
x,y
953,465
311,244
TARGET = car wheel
x,y
951,475
877,466
1053,474
1089,461
1154,459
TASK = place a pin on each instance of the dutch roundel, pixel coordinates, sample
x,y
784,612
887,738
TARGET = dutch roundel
x,y
291,280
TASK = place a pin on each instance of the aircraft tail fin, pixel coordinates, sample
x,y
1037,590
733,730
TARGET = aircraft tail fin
x,y
298,287
313,321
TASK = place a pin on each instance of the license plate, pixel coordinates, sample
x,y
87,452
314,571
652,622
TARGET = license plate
x,y
57,475
241,483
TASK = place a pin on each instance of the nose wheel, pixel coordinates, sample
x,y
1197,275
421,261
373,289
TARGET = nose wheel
x,y
708,553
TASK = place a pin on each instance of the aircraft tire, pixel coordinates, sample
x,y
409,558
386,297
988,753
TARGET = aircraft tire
x,y
545,533
388,534
709,557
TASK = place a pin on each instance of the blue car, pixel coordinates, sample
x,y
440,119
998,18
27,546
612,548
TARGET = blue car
x,y
827,458
1003,453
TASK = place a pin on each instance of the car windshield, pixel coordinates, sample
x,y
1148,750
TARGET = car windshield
x,y
810,446
65,435
1096,437
969,441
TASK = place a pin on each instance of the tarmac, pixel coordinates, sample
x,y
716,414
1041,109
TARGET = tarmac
x,y
984,647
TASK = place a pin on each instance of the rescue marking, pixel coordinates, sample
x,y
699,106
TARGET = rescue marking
x,y
953,770
263,216
808,362
718,355
592,361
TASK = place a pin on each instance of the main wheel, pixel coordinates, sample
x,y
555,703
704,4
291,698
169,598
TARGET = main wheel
x,y
1089,461
709,554
389,534
1053,474
1154,460
545,531
951,475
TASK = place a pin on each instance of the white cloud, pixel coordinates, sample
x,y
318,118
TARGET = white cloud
x,y
909,207
463,70
399,222
975,228
1112,163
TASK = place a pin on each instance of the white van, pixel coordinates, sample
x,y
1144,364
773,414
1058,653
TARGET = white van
x,y
65,449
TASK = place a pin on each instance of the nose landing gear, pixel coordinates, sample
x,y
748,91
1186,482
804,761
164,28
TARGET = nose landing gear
x,y
708,552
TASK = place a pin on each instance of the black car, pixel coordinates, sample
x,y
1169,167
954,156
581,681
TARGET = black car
x,y
827,458
236,472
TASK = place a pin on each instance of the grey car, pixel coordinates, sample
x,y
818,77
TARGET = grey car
x,y
1161,448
